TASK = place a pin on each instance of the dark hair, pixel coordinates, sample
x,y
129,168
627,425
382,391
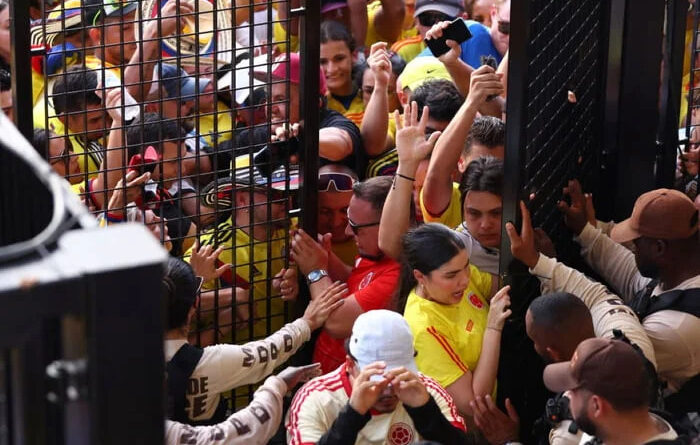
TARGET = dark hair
x,y
558,312
442,98
334,31
75,90
5,80
484,174
374,190
486,130
425,248
40,142
397,66
151,129
180,290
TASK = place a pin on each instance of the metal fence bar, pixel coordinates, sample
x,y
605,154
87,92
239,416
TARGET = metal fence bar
x,y
21,66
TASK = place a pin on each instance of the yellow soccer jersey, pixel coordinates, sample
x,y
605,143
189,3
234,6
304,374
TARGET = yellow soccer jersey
x,y
409,48
355,112
319,402
252,269
279,34
452,216
448,337
374,35
224,125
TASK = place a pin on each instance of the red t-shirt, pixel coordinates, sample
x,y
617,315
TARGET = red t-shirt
x,y
373,284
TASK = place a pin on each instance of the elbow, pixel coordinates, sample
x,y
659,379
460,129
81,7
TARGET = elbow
x,y
336,329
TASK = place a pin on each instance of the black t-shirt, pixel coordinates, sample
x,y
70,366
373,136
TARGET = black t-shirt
x,y
251,140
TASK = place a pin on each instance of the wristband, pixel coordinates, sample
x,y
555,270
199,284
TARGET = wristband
x,y
408,178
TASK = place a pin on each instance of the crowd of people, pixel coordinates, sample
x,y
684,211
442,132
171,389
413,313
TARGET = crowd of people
x,y
184,116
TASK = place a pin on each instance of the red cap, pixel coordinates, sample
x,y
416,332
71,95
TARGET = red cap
x,y
660,214
279,71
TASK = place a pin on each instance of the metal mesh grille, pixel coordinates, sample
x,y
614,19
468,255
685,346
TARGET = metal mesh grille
x,y
562,132
686,181
219,145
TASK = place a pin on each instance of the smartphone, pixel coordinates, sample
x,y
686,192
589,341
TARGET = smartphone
x,y
457,30
493,63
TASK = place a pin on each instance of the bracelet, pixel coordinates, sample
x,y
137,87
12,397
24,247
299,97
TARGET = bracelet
x,y
495,329
405,177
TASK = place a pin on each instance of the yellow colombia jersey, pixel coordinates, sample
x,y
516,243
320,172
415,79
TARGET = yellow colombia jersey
x,y
279,34
452,216
448,338
409,48
251,270
224,125
354,112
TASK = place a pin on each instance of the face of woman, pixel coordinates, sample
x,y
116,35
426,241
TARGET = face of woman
x,y
336,62
447,283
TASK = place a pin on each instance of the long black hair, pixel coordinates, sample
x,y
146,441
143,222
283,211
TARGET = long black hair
x,y
180,291
425,248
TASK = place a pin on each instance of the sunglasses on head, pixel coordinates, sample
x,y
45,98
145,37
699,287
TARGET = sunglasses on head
x,y
341,182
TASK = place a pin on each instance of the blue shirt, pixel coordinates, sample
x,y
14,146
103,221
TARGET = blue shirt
x,y
479,45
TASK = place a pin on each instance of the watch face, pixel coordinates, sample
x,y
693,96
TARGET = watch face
x,y
316,275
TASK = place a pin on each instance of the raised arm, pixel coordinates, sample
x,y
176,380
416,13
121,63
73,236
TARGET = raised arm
x,y
375,122
458,69
389,19
437,190
412,148
139,72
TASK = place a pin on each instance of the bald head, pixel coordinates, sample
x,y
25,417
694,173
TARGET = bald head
x,y
557,323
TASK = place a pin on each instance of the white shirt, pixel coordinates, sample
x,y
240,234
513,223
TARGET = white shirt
x,y
668,434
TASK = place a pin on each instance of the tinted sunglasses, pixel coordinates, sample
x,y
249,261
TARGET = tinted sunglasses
x,y
342,182
64,157
504,27
430,18
356,227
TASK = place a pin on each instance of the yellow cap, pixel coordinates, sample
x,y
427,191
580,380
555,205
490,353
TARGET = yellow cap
x,y
422,69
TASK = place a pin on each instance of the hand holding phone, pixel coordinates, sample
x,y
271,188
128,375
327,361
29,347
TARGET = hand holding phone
x,y
457,30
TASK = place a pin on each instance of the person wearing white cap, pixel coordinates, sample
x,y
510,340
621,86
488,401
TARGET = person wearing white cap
x,y
377,396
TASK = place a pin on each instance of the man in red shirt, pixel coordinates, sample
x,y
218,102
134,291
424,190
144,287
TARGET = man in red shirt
x,y
371,282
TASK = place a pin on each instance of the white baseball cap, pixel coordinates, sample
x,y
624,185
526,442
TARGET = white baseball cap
x,y
382,336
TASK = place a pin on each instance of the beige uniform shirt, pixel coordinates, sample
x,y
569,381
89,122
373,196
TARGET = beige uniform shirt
x,y
253,425
673,334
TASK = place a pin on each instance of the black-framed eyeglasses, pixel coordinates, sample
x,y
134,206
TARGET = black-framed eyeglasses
x,y
356,227
342,182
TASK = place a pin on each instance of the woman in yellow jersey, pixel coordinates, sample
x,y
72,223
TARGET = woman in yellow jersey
x,y
337,58
457,335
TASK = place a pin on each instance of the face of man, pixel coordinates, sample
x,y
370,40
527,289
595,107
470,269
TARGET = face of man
x,y
172,153
118,38
90,123
6,104
336,63
388,400
368,89
481,12
62,161
281,109
361,213
482,216
333,214
644,258
500,14
580,404
478,150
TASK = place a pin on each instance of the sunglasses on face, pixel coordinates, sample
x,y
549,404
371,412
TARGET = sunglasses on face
x,y
432,17
341,182
356,227
503,27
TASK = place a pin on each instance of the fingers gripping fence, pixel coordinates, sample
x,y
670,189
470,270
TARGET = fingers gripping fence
x,y
176,114
553,133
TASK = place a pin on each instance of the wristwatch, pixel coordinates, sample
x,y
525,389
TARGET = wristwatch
x,y
315,275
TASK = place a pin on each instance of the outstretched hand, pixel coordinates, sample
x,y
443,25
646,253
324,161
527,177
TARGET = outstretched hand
x,y
203,261
411,143
576,215
451,56
523,245
321,307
